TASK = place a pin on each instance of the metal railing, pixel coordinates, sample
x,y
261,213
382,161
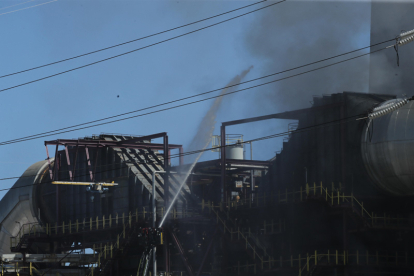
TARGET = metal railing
x,y
333,197
305,262
94,224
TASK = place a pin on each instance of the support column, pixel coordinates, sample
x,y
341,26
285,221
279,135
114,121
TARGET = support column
x,y
69,164
56,177
88,160
181,156
74,161
345,239
343,146
166,204
223,161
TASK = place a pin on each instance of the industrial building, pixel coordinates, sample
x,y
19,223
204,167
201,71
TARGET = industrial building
x,y
336,200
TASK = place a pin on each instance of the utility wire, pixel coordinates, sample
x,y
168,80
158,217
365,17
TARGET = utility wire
x,y
141,48
65,130
189,97
16,5
130,41
280,134
29,7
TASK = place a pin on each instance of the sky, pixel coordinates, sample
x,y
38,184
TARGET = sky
x,y
276,38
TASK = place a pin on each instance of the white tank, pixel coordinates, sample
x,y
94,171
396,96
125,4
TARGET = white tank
x,y
234,151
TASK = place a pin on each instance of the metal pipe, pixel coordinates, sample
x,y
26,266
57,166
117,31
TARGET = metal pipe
x,y
223,160
207,251
251,171
306,175
154,218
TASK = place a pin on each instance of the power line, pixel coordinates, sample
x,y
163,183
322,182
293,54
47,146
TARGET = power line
x,y
280,134
16,5
138,49
65,130
130,41
28,7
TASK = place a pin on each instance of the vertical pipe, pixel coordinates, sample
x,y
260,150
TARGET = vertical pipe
x,y
251,171
223,159
181,156
166,200
306,175
56,177
50,165
154,218
95,163
56,167
166,184
74,161
343,144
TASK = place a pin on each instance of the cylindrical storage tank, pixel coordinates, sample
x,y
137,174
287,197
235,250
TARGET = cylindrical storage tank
x,y
20,206
234,151
388,150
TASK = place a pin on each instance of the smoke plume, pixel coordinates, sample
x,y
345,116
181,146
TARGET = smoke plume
x,y
388,19
299,32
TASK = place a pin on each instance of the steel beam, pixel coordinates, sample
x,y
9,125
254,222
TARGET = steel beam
x,y
74,162
94,165
56,177
223,160
50,164
68,162
289,115
88,160
181,156
114,144
143,138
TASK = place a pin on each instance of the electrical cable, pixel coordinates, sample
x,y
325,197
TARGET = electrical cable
x,y
193,102
185,98
16,5
141,48
127,42
29,7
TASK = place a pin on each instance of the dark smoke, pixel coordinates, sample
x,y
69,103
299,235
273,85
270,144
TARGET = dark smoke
x,y
388,19
295,33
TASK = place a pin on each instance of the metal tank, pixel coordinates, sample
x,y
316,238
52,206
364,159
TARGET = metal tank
x,y
235,151
388,150
19,206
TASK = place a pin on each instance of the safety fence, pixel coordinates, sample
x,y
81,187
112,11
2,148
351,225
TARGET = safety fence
x,y
25,269
106,252
333,197
16,269
251,242
307,262
95,224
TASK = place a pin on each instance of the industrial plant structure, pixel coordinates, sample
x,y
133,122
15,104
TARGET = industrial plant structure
x,y
336,200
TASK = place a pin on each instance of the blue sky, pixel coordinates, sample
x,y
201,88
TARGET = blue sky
x,y
280,37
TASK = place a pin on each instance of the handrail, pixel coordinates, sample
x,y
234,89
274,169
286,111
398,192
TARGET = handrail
x,y
239,234
97,223
332,197
305,262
